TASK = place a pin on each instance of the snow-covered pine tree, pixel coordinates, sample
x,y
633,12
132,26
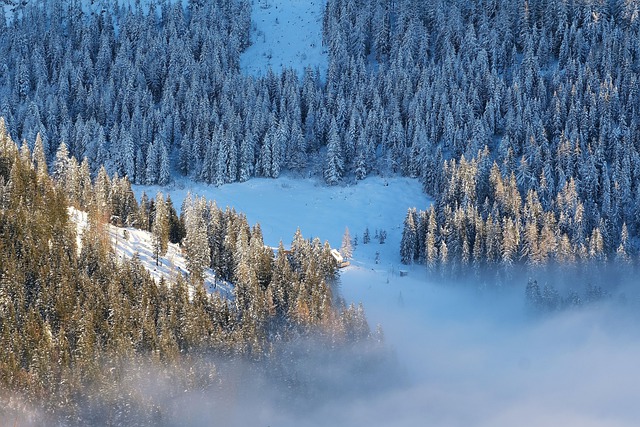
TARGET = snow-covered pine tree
x,y
160,229
346,249
60,164
195,243
164,174
334,166
39,158
366,236
409,242
153,167
126,157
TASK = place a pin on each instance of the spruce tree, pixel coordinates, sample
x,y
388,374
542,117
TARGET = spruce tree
x,y
408,244
195,242
160,229
334,166
346,249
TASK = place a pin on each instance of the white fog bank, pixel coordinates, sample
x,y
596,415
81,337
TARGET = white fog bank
x,y
482,359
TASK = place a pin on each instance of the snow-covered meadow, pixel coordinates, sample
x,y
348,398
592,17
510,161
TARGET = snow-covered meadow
x,y
285,204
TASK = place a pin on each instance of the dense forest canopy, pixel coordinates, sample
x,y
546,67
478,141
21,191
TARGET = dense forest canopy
x,y
78,323
488,102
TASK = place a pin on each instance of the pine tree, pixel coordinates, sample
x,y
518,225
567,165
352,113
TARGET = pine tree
x,y
298,155
621,253
431,250
126,158
152,170
408,244
39,158
176,226
160,229
510,242
195,242
164,174
334,167
366,236
246,158
346,249
60,164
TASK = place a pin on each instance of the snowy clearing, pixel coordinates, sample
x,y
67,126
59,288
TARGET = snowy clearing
x,y
282,205
285,34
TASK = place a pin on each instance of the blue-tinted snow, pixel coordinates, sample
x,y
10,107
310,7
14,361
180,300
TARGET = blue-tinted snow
x,y
285,34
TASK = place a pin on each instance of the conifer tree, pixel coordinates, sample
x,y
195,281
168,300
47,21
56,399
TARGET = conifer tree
x,y
195,241
334,167
346,249
60,164
160,229
408,244
39,158
176,226
366,236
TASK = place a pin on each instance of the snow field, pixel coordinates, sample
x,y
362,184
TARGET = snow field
x,y
285,204
285,34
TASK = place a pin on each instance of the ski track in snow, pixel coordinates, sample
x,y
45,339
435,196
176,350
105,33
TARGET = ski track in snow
x,y
285,34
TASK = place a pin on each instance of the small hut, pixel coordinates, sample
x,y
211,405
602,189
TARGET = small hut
x,y
340,261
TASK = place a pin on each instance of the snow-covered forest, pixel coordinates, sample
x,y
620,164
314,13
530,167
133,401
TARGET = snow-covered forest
x,y
488,103
515,122
76,319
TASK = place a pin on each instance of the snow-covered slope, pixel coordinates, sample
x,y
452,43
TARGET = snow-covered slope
x,y
285,34
281,206
129,242
285,204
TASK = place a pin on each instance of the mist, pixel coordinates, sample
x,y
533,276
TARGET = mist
x,y
452,355
483,358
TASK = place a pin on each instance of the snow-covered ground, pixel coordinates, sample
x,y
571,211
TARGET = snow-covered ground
x,y
285,34
130,242
471,358
285,204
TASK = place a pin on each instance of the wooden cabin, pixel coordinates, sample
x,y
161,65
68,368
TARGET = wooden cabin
x,y
340,261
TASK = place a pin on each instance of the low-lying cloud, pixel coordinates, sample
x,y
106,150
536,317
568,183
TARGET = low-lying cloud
x,y
482,359
452,357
